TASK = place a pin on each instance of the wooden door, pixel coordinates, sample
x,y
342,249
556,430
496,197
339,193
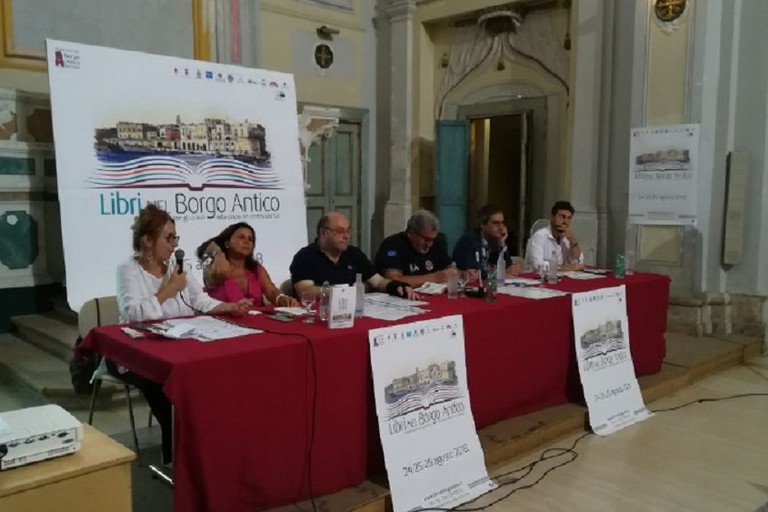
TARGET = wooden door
x,y
334,176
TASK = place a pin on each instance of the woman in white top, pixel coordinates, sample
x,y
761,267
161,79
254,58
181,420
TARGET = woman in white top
x,y
150,288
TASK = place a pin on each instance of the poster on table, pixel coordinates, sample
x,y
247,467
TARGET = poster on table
x,y
601,331
431,448
213,144
664,174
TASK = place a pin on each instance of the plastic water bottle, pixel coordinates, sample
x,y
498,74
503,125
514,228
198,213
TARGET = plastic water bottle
x,y
618,269
552,274
490,289
452,286
629,263
501,268
325,297
359,296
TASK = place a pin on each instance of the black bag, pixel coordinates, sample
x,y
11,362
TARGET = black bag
x,y
81,368
83,364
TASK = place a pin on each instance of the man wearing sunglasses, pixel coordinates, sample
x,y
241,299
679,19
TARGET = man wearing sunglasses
x,y
331,258
485,242
416,255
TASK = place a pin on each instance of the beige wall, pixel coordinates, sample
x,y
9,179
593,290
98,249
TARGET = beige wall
x,y
665,104
667,73
288,39
33,81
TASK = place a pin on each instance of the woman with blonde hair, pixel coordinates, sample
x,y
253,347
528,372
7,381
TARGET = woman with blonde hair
x,y
151,287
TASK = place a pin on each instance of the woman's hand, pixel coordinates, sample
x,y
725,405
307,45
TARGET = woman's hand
x,y
287,300
177,282
238,308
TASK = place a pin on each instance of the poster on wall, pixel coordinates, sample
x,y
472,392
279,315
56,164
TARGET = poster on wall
x,y
431,448
601,335
212,144
664,174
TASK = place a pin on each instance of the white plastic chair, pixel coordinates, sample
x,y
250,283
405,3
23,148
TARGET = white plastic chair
x,y
540,223
94,313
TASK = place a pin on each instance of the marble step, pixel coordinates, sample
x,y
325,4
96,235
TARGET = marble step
x,y
48,333
61,310
48,375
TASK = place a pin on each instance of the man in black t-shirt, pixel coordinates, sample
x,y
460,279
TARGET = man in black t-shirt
x,y
331,258
415,256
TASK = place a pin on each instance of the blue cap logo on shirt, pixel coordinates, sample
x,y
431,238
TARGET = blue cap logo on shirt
x,y
391,253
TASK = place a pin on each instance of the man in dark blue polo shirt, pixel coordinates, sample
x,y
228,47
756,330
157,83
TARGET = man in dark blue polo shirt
x,y
331,258
415,256
486,240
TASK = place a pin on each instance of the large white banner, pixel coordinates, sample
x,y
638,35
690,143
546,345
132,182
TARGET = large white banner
x,y
601,330
664,174
431,448
213,144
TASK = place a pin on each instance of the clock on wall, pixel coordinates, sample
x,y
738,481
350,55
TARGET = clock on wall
x,y
323,56
669,10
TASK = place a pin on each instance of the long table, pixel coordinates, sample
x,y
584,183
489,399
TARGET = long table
x,y
245,408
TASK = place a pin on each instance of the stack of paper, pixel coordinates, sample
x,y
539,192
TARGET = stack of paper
x,y
432,288
530,292
387,307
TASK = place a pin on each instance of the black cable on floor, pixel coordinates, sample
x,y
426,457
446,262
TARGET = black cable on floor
x,y
551,453
704,400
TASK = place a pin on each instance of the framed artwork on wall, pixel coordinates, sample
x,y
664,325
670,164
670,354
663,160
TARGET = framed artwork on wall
x,y
168,27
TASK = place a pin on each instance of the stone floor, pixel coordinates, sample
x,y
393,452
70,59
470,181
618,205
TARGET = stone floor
x,y
690,364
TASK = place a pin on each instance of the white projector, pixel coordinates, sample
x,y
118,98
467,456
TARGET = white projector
x,y
37,433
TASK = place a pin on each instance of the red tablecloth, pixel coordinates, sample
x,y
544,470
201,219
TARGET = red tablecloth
x,y
244,406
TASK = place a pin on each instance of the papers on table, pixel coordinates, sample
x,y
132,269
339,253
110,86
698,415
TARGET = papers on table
x,y
201,328
530,292
583,276
521,281
294,311
432,288
387,307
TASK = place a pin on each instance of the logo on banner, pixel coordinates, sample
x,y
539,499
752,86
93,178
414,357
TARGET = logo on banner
x,y
605,338
67,59
211,153
427,386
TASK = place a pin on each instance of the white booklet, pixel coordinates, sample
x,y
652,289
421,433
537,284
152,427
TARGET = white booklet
x,y
431,288
341,306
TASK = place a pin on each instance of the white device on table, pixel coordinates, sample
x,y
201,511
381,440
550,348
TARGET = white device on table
x,y
37,433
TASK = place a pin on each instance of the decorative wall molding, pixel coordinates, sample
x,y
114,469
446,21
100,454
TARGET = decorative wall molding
x,y
535,44
28,231
315,123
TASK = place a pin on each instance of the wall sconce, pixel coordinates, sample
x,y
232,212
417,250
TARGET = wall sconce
x,y
444,60
326,33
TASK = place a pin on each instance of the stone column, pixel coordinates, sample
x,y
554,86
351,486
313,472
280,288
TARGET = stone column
x,y
587,100
399,14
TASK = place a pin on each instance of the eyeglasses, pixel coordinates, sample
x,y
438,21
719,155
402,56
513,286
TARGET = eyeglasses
x,y
340,231
426,239
172,238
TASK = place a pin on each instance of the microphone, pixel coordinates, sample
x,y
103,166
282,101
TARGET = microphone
x,y
179,260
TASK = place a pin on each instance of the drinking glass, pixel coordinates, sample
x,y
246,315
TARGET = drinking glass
x,y
541,269
308,300
461,280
